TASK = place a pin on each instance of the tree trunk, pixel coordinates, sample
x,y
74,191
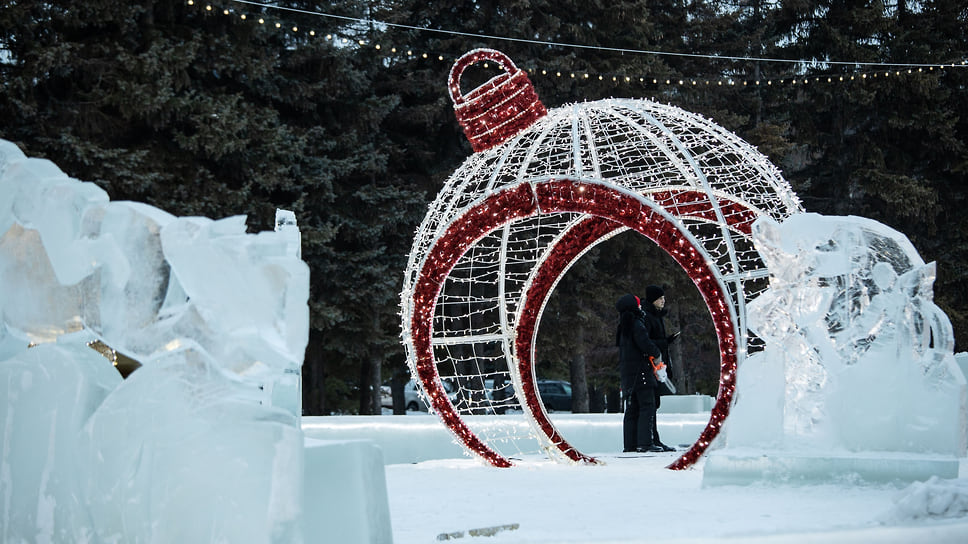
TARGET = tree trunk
x,y
397,382
675,353
313,378
613,401
579,380
596,400
376,380
366,401
370,385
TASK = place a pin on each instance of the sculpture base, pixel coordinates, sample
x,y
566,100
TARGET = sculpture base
x,y
733,467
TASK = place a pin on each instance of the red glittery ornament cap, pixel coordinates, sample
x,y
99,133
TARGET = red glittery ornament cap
x,y
500,108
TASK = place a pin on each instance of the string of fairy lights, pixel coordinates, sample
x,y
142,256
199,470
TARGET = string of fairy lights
x,y
861,71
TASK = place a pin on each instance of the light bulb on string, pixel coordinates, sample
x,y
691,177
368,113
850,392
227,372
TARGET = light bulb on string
x,y
630,77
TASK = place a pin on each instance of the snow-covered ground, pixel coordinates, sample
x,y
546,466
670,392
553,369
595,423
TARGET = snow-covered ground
x,y
636,499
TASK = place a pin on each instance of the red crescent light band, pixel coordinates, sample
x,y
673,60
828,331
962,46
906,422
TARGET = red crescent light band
x,y
609,209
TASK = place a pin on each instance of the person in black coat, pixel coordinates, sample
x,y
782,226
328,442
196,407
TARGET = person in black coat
x,y
637,376
653,313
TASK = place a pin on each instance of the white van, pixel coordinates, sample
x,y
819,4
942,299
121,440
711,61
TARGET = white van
x,y
411,396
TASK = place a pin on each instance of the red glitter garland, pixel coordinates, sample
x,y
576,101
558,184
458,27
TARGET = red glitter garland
x,y
605,202
684,203
565,251
490,115
610,210
443,256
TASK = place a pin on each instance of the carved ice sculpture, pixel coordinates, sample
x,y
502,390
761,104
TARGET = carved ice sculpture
x,y
198,444
858,357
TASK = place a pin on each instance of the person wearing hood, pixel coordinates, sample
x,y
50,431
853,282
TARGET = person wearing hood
x,y
637,376
653,312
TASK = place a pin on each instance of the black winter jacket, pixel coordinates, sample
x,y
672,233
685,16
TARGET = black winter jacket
x,y
634,346
657,331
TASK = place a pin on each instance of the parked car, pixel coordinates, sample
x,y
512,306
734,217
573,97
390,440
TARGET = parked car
x,y
555,394
506,392
411,396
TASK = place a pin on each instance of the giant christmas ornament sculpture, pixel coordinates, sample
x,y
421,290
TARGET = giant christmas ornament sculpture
x,y
543,187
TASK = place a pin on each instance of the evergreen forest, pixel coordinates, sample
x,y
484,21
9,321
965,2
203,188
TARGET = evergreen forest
x,y
339,111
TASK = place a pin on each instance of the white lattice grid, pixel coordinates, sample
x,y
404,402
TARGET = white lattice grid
x,y
637,145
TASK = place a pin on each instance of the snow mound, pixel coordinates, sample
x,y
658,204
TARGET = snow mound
x,y
934,498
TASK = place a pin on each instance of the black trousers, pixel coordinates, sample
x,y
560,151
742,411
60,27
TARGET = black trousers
x,y
639,429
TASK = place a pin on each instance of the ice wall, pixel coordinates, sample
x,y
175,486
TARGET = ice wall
x,y
858,358
202,443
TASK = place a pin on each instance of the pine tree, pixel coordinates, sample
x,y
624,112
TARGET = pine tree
x,y
200,112
886,144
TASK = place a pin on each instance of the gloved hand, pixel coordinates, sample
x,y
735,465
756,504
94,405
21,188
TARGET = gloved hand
x,y
662,374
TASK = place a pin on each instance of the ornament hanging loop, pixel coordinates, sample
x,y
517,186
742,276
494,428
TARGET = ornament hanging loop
x,y
500,108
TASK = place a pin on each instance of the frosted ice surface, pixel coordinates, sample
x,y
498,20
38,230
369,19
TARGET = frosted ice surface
x,y
49,392
189,458
141,279
866,356
202,443
215,262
